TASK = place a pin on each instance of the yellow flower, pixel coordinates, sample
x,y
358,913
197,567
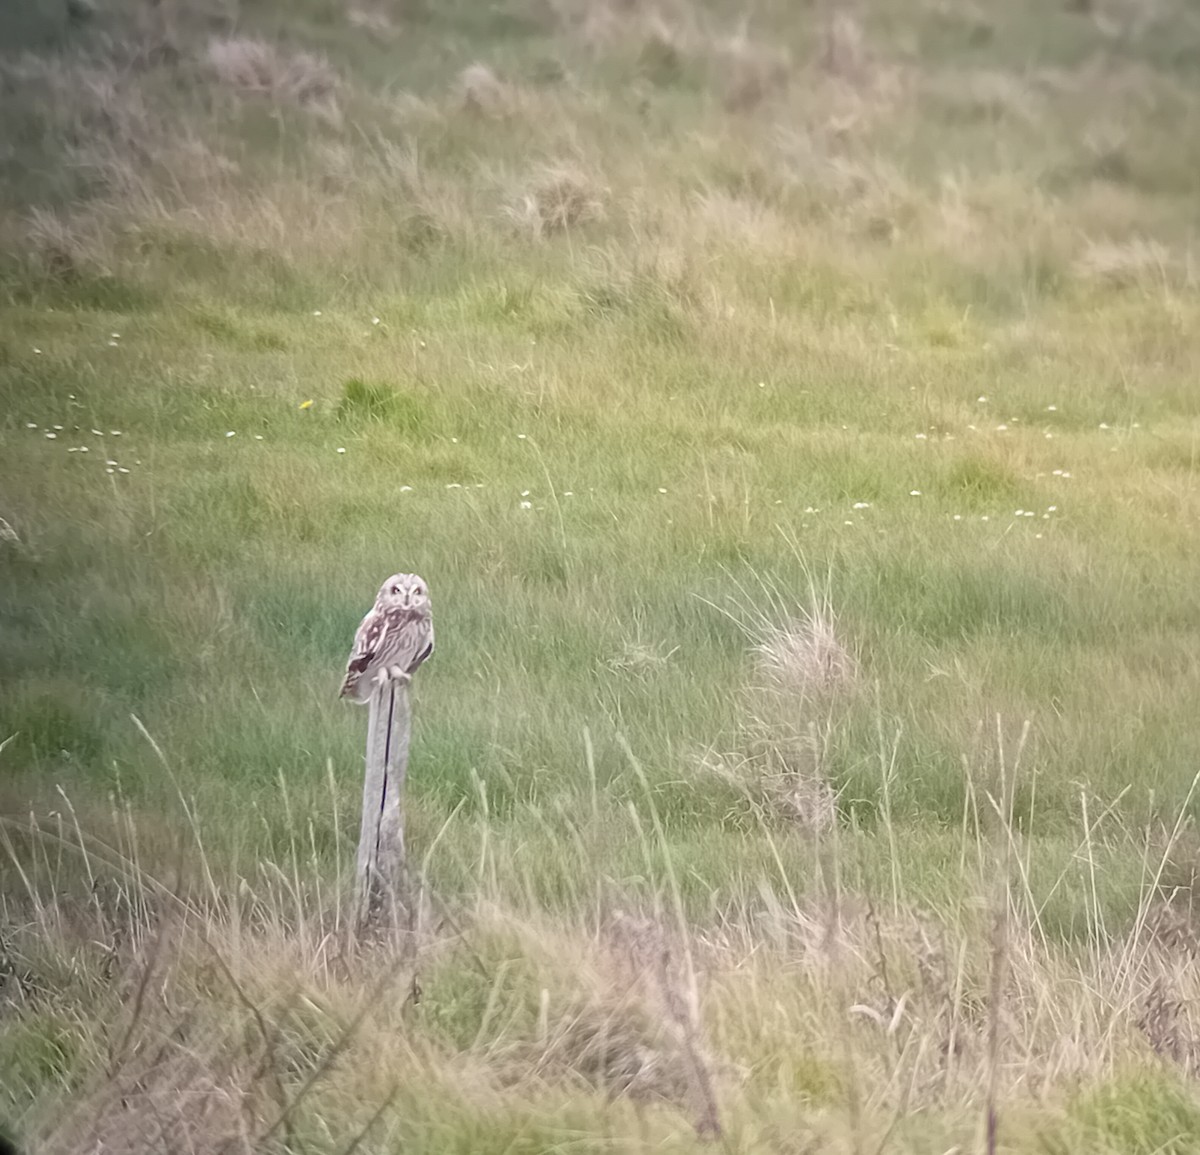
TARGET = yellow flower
x,y
306,404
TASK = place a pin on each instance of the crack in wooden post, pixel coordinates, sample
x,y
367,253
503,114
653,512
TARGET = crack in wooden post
x,y
380,877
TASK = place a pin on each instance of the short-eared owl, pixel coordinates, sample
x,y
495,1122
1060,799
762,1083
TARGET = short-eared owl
x,y
394,638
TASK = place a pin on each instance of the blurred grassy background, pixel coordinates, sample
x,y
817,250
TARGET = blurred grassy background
x,y
649,336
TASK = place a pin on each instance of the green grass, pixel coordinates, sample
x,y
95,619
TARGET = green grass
x,y
832,303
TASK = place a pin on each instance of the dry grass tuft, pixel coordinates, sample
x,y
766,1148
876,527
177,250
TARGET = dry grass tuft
x,y
640,659
85,102
558,200
482,92
805,653
801,668
843,47
781,776
661,971
257,67
1124,263
613,1037
751,72
55,247
186,1090
987,95
374,21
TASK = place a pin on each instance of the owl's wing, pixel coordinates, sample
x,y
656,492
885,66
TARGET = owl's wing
x,y
425,644
368,641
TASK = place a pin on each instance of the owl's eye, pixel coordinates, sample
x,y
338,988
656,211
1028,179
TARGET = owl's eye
x,y
395,589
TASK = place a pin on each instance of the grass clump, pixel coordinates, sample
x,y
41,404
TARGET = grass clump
x,y
259,68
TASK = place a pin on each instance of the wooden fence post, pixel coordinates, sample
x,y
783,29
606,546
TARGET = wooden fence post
x,y
380,877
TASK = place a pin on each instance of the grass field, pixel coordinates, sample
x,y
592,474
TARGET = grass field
x,y
795,411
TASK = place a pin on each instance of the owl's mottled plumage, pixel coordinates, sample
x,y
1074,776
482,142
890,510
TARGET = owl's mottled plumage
x,y
394,638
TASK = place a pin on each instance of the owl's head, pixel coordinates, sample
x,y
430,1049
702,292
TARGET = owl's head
x,y
406,590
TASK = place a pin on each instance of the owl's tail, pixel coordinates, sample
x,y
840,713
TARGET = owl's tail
x,y
352,688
